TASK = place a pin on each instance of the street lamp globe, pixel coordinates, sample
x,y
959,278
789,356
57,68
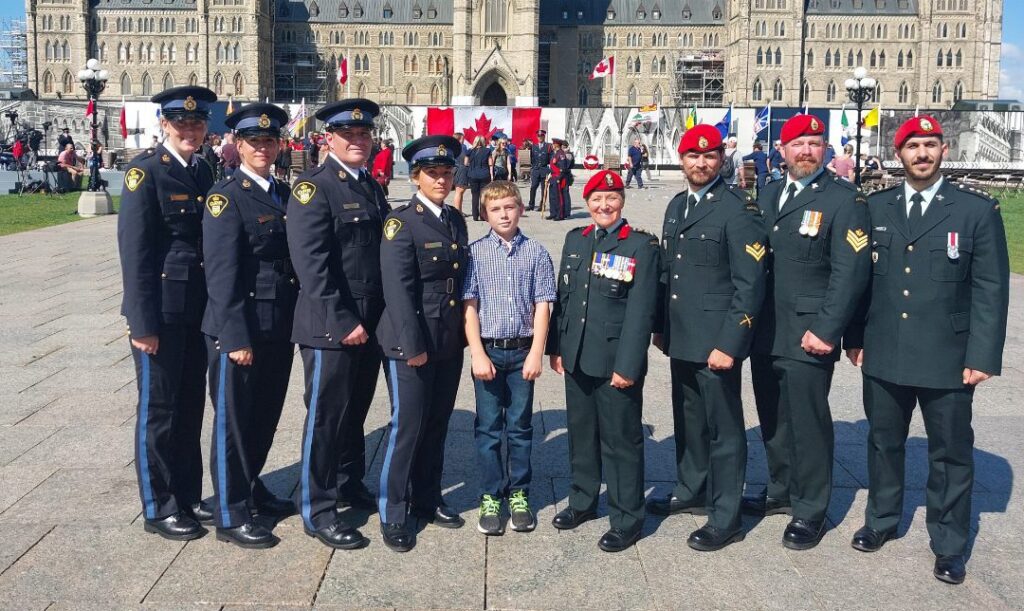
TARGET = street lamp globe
x,y
102,75
860,72
868,83
851,84
93,64
85,75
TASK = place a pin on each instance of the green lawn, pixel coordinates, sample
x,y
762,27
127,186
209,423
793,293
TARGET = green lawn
x,y
24,212
1013,218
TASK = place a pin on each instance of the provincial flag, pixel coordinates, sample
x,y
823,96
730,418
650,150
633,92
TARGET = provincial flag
x,y
231,105
761,120
846,127
343,70
691,117
296,122
871,119
604,68
725,124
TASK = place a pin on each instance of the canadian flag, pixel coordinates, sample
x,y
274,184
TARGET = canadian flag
x,y
485,121
123,121
603,68
90,109
343,70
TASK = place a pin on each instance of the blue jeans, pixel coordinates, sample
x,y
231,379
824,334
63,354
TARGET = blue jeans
x,y
504,404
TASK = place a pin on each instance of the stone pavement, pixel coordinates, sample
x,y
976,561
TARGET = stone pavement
x,y
69,507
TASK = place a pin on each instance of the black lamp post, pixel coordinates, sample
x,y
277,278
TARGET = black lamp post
x,y
94,81
860,88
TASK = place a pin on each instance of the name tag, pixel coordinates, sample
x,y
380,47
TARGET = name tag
x,y
180,197
265,218
352,206
430,245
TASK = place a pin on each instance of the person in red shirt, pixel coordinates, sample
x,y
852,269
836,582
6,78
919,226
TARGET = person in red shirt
x,y
383,165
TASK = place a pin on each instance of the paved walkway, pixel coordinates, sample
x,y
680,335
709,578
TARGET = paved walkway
x,y
70,536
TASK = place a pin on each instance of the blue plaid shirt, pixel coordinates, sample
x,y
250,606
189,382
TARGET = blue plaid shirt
x,y
508,282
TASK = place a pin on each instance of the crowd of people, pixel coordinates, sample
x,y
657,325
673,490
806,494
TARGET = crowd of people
x,y
222,279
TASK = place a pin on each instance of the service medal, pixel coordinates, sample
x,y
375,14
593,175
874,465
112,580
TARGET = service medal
x,y
804,222
953,245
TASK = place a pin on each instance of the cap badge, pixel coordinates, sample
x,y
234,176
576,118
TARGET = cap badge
x,y
703,142
608,180
814,124
926,125
442,151
357,114
190,104
264,122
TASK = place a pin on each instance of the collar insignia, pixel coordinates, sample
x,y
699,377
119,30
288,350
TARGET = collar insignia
x,y
246,183
165,158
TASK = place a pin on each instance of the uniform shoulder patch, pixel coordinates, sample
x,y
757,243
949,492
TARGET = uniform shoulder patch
x,y
216,204
391,228
857,239
304,192
133,178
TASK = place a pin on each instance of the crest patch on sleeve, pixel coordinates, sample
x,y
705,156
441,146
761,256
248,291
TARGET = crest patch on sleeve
x,y
134,178
304,192
391,228
216,204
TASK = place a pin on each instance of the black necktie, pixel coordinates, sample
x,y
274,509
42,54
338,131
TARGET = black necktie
x,y
193,169
364,180
273,191
691,203
602,233
914,216
446,219
790,194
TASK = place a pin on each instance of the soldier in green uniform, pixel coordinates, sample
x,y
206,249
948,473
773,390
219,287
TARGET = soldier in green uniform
x,y
819,266
600,331
713,276
935,327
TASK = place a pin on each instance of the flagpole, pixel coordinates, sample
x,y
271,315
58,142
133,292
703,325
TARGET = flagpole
x,y
613,86
878,141
769,124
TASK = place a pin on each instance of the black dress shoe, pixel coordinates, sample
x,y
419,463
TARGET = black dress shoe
x,y
339,536
950,569
358,497
249,535
803,534
397,537
711,539
570,518
176,527
275,507
867,539
671,505
444,516
202,512
762,505
616,540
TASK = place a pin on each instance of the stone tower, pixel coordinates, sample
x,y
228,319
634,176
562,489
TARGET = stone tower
x,y
494,58
58,37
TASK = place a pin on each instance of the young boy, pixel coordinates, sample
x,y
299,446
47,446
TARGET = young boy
x,y
509,285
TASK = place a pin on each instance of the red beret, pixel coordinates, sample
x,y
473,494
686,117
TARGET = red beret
x,y
605,180
923,125
801,125
700,138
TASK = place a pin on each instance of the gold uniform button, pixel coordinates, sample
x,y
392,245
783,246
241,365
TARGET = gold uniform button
x,y
252,294
292,281
679,256
910,247
183,211
675,276
163,275
199,199
200,263
775,228
905,315
285,217
455,265
435,258
906,270
451,302
906,293
455,246
675,296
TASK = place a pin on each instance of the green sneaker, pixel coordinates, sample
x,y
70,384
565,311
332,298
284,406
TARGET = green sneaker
x,y
490,516
522,518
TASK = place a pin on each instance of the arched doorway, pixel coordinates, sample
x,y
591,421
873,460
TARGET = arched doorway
x,y
494,95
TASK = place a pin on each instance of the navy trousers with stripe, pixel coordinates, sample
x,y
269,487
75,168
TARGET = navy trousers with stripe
x,y
172,395
247,405
352,450
332,377
422,401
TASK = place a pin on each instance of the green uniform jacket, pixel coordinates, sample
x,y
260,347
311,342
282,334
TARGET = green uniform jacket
x,y
815,283
930,315
713,274
602,325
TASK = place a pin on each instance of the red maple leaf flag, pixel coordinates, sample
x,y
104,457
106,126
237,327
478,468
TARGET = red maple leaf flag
x,y
482,127
440,121
604,68
123,121
90,108
343,70
525,123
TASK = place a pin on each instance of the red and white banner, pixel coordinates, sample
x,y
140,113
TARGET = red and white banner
x,y
518,123
343,70
123,121
604,68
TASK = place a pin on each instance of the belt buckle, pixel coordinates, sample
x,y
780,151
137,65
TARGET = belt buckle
x,y
450,286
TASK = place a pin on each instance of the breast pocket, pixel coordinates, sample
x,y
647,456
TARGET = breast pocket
x,y
945,268
174,287
182,217
269,240
880,253
355,228
433,261
614,289
570,274
703,246
808,248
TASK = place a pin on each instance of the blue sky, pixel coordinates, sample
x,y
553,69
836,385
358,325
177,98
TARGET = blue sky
x,y
1011,83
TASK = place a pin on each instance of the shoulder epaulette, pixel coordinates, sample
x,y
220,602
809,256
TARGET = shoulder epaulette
x,y
846,184
965,188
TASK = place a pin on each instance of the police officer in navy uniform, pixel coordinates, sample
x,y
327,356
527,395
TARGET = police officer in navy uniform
x,y
713,277
248,324
335,217
540,159
159,235
424,257
598,339
559,203
819,267
935,328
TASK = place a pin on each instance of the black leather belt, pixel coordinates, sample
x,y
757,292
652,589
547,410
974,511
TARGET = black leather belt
x,y
514,343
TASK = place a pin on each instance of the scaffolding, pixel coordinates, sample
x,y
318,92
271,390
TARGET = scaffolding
x,y
300,73
13,54
699,79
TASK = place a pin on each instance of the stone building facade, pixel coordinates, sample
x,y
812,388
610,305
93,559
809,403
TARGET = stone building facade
x,y
924,53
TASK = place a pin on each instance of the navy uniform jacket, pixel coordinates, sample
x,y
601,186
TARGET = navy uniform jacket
x,y
334,232
930,315
815,283
760,160
713,273
248,273
425,266
602,325
540,156
159,236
